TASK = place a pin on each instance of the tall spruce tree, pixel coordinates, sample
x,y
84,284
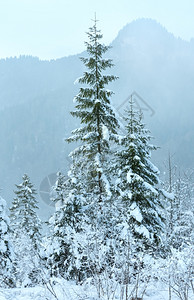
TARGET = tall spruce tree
x,y
26,233
137,184
99,122
88,189
6,251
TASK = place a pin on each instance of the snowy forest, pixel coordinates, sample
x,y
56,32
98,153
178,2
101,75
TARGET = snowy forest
x,y
118,231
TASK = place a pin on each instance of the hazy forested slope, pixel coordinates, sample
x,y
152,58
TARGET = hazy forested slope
x,y
36,97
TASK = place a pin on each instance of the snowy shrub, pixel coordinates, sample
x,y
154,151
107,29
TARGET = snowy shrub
x,y
6,251
177,272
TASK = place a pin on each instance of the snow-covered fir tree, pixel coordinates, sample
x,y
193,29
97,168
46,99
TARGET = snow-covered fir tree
x,y
57,247
88,189
26,233
100,125
137,184
6,250
65,225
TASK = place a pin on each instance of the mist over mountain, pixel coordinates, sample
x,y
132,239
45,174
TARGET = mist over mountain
x,y
160,68
37,96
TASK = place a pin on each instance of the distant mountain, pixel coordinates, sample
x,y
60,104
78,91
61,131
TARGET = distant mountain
x,y
37,96
160,68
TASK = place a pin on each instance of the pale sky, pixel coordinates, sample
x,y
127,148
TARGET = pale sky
x,y
56,28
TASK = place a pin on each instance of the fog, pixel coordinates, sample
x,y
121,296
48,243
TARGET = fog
x,y
53,29
37,96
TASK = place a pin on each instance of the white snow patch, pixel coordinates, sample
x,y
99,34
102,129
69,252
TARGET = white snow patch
x,y
2,246
77,80
107,186
168,195
97,101
136,157
28,189
75,99
154,168
124,231
135,212
105,133
131,144
132,136
129,194
151,188
3,226
142,230
98,163
129,176
71,291
74,180
87,136
119,138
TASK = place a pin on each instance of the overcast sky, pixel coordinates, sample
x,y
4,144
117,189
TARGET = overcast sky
x,y
56,28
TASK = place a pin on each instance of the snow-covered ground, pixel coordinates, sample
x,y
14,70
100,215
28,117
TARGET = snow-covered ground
x,y
71,291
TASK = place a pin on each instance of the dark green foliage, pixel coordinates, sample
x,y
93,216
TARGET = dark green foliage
x,y
138,183
96,114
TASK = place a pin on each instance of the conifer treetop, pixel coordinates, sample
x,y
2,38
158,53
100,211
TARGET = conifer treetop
x,y
93,100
